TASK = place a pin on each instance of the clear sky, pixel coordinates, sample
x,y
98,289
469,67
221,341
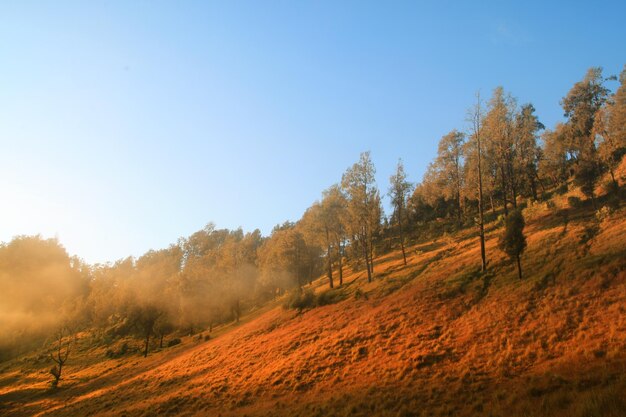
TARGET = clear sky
x,y
125,125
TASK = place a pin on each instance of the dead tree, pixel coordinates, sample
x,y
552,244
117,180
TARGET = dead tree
x,y
61,354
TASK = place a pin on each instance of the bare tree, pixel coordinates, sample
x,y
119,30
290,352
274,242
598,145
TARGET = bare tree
x,y
64,341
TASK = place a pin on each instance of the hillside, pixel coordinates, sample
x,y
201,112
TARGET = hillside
x,y
432,338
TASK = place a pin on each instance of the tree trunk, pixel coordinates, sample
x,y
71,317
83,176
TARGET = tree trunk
x,y
161,342
533,187
340,257
458,209
613,177
371,249
483,255
514,191
57,374
367,262
504,200
519,267
145,349
543,188
403,252
237,310
593,201
512,181
330,268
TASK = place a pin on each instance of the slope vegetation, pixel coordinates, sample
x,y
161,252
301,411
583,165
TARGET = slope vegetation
x,y
433,338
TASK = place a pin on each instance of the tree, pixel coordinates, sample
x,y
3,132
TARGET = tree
x,y
281,259
513,241
38,280
587,173
315,223
553,164
363,207
448,166
162,327
335,207
64,341
528,152
498,140
617,120
322,226
475,116
399,190
609,128
144,317
235,267
580,106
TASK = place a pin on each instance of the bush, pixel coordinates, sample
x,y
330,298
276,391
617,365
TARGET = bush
x,y
173,342
324,298
359,294
329,297
589,232
301,300
604,213
562,189
124,349
574,202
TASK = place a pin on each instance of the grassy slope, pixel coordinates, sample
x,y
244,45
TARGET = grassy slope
x,y
432,338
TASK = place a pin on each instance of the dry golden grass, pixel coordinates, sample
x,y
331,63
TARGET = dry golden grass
x,y
435,338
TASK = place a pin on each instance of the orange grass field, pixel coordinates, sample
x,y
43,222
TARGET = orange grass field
x,y
434,338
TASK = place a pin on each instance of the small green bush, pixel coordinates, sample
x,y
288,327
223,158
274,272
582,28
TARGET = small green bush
x,y
173,342
574,202
300,300
604,213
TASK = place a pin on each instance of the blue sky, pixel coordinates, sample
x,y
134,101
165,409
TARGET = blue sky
x,y
126,125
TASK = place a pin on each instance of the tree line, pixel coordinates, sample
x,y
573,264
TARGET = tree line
x,y
504,156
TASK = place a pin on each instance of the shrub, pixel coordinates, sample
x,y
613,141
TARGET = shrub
x,y
325,298
604,213
358,294
301,300
574,202
330,297
173,342
589,232
124,349
562,189
513,242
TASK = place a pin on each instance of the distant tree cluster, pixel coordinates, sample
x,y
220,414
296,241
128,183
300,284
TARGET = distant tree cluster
x,y
215,275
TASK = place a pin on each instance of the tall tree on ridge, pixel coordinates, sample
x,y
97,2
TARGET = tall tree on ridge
x,y
475,117
498,142
580,106
399,191
609,128
363,206
449,167
528,152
